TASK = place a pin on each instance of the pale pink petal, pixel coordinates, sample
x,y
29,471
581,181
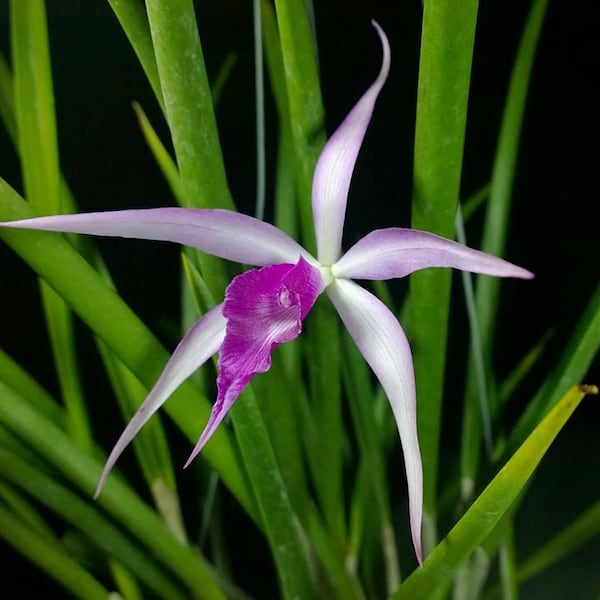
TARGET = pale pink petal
x,y
382,342
264,308
224,233
336,163
396,252
201,342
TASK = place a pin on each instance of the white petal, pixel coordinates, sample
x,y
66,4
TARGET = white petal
x,y
382,342
336,164
201,342
224,233
396,252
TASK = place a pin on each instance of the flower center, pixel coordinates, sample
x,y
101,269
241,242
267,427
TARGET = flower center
x,y
326,274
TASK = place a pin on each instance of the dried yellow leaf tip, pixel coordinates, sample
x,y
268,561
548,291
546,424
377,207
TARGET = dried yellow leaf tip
x,y
586,388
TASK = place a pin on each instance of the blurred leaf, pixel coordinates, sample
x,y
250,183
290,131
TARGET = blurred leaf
x,y
50,557
126,582
86,518
474,202
15,377
117,498
523,368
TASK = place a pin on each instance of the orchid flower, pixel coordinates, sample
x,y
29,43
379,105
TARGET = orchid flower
x,y
265,306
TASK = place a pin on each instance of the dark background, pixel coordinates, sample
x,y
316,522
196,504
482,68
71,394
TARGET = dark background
x,y
555,209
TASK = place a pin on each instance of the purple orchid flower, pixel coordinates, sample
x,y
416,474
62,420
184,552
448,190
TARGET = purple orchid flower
x,y
265,307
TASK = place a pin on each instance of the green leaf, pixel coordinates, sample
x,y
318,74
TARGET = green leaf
x,y
284,530
485,513
15,377
188,103
286,194
50,557
83,471
190,116
38,151
306,112
161,154
496,227
24,510
444,74
87,518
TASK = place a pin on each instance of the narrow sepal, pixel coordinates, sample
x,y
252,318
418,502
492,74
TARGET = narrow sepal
x,y
397,252
334,168
382,342
223,233
201,342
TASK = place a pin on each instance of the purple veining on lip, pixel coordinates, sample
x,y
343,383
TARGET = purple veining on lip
x,y
263,308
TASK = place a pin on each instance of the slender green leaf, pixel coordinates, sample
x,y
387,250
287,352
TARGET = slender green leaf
x,y
50,557
15,377
472,203
306,112
190,115
84,471
339,579
126,583
508,564
327,449
496,226
160,153
24,510
286,194
286,535
38,150
218,84
444,74
188,103
522,369
150,444
7,100
87,519
485,513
